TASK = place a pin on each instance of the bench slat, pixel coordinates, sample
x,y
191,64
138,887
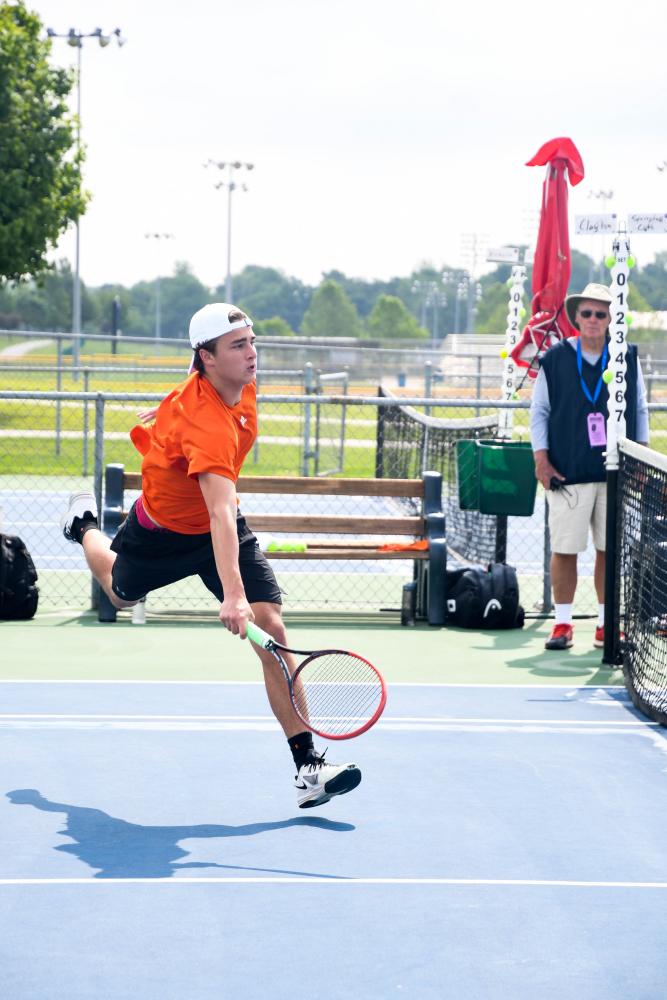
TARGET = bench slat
x,y
349,553
290,523
313,486
335,487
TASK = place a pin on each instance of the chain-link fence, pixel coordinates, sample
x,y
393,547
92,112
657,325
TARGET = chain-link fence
x,y
312,422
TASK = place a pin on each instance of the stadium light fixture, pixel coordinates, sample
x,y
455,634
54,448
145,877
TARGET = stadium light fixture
x,y
231,184
75,39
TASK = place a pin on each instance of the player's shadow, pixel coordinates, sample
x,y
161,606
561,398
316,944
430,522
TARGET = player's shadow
x,y
118,849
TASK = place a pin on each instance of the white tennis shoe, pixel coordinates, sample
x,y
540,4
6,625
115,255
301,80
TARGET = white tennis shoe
x,y
82,506
318,781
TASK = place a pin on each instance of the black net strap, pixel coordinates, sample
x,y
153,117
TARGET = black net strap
x,y
642,576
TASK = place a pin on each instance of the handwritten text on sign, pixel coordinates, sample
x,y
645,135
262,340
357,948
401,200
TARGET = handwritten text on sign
x,y
648,222
593,225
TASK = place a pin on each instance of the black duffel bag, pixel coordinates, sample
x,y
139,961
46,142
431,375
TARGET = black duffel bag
x,y
484,598
18,593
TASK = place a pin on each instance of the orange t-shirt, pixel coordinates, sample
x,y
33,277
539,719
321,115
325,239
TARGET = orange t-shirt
x,y
194,431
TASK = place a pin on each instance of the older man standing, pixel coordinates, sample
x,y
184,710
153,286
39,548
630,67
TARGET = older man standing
x,y
568,433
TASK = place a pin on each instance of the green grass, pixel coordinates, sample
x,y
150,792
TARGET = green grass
x,y
30,455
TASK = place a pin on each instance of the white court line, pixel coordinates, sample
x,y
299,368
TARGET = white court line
x,y
438,720
391,684
342,880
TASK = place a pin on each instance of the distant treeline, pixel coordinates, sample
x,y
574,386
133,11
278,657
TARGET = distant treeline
x,y
431,302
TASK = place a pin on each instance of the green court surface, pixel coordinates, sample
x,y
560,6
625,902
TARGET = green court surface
x,y
77,647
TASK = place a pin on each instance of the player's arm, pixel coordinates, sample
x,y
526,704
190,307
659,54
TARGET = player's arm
x,y
220,498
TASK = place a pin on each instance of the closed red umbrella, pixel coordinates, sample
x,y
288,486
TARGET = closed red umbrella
x,y
552,264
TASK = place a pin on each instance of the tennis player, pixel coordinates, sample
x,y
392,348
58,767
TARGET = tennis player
x,y
186,522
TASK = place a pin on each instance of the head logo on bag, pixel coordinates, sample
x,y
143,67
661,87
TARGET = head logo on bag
x,y
18,593
478,598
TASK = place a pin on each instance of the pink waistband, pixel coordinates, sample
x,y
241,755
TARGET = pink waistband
x,y
143,518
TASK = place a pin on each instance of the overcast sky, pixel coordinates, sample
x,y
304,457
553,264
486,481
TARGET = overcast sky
x,y
381,133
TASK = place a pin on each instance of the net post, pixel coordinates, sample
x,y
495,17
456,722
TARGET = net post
x,y
379,439
616,426
610,653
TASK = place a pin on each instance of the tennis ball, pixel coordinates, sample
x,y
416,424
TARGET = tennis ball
x,y
607,375
628,319
503,354
522,313
631,261
610,261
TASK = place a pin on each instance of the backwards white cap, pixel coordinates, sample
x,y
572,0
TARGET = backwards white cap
x,y
213,321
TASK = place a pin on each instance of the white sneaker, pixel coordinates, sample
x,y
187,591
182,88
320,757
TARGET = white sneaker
x,y
317,782
81,506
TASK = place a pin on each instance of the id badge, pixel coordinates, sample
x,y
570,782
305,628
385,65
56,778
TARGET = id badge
x,y
597,432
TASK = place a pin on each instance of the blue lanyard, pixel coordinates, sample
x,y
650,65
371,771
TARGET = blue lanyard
x,y
592,399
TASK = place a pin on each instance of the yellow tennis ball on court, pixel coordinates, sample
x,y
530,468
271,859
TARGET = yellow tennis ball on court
x,y
610,261
522,313
631,261
628,319
607,375
503,354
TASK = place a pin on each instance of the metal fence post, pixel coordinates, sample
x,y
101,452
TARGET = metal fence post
x,y
308,385
546,574
428,383
255,449
59,383
478,382
98,476
86,387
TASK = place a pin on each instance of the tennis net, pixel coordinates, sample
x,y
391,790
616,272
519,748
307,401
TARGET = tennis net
x,y
410,443
641,576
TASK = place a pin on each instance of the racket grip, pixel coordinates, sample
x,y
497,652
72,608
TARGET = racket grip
x,y
258,635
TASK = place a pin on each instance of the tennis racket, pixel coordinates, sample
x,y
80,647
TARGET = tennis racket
x,y
336,694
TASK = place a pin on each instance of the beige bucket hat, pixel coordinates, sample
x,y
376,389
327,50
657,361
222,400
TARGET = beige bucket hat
x,y
598,293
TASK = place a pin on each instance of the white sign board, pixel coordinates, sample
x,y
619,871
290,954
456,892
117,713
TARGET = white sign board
x,y
647,222
503,255
595,225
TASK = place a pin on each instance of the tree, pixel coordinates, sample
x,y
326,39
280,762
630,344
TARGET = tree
x,y
651,281
390,319
264,292
181,296
331,314
275,326
40,192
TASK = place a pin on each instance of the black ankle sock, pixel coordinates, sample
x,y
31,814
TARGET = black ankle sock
x,y
302,748
81,526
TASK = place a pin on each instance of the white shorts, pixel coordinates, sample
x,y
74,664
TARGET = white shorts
x,y
572,511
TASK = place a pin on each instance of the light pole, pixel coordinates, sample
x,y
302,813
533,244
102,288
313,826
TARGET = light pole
x,y
604,197
158,317
75,40
230,166
437,300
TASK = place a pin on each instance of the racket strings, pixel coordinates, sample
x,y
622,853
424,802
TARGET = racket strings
x,y
337,692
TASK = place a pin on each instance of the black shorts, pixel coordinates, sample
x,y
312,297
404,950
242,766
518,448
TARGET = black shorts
x,y
147,560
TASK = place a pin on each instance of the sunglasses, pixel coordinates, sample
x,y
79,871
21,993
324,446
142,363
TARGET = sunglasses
x,y
599,314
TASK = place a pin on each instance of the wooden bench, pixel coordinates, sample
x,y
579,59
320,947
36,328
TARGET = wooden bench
x,y
430,564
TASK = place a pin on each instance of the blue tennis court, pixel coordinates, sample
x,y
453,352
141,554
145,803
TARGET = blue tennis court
x,y
507,841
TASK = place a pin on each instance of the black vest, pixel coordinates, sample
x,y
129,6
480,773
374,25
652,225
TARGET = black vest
x,y
570,451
